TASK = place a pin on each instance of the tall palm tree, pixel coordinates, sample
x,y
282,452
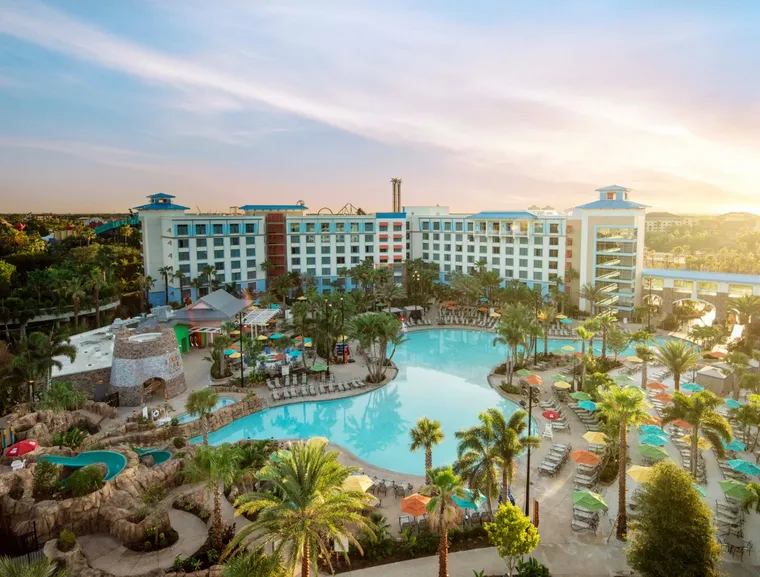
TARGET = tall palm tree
x,y
180,276
75,289
583,335
307,509
511,334
96,282
144,283
546,316
201,403
46,347
443,512
22,373
45,567
746,307
647,356
603,323
477,461
510,440
389,292
255,564
217,467
166,272
752,501
379,334
593,294
208,272
678,357
426,434
700,411
626,407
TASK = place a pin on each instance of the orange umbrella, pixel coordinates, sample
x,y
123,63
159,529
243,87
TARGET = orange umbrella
x,y
681,424
534,380
299,338
415,504
585,458
483,310
656,386
663,397
652,420
717,355
578,355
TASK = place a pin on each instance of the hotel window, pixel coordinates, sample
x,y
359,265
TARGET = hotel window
x,y
537,275
554,241
425,236
295,250
340,226
538,252
250,252
509,250
523,251
183,243
200,229
353,227
398,227
325,239
326,260
340,260
310,238
201,255
235,241
538,228
252,263
447,247
424,225
447,237
446,257
235,276
458,248
294,227
446,226
523,240
553,265
325,227
201,242
509,273
326,271
182,229
354,250
354,238
483,239
220,276
470,227
235,265
340,249
470,248
251,240
369,227
425,256
184,256
234,229
458,258
311,250
326,249
495,261
524,263
470,259
495,250
554,228
436,246
369,248
369,238
219,253
218,242
436,225
235,253
436,236
311,261
483,249
218,229
524,274
495,227
250,228
355,259
553,253
309,227
538,264
219,266
509,261
185,268
458,226
425,246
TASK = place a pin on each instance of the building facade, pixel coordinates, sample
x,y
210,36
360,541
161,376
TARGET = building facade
x,y
602,241
662,221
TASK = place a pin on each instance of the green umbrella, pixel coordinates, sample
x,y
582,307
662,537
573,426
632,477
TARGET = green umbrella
x,y
279,456
589,500
524,372
580,396
557,378
734,489
318,368
624,379
652,452
700,489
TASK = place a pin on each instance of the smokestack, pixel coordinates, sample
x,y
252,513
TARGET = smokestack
x,y
396,185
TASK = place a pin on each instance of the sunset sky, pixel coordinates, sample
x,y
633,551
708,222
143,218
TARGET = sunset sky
x,y
486,104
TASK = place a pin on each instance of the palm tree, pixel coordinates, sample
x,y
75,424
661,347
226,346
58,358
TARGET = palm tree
x,y
426,434
208,272
477,461
127,232
380,335
546,316
254,564
752,501
583,335
746,417
746,307
626,407
510,440
443,511
700,411
180,276
647,356
75,289
512,335
166,272
45,567
389,292
593,294
95,282
603,323
22,372
201,403
307,509
46,347
217,467
267,267
144,283
678,357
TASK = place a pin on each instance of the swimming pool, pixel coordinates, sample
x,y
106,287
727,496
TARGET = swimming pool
x,y
115,462
220,404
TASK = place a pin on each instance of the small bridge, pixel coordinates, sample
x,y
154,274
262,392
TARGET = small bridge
x,y
114,224
716,288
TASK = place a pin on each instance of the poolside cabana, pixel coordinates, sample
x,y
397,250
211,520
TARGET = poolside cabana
x,y
260,318
206,315
717,378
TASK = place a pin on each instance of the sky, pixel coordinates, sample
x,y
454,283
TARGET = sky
x,y
479,105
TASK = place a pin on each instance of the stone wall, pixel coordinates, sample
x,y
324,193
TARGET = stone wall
x,y
41,425
87,381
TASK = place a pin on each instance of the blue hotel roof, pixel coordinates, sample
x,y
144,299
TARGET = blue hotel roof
x,y
506,214
705,276
273,207
390,215
161,206
161,195
613,204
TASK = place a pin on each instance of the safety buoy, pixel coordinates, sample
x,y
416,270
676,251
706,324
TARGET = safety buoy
x,y
155,413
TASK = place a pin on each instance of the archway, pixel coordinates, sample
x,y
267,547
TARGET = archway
x,y
153,386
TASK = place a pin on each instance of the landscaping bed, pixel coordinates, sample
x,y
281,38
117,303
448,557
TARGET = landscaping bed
x,y
155,541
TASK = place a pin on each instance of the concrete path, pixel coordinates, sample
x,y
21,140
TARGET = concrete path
x,y
108,554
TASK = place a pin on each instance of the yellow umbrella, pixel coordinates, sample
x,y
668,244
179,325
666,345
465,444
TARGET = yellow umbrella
x,y
568,348
634,360
595,438
301,298
640,474
495,315
235,356
342,338
357,483
261,338
308,345
702,443
560,317
562,385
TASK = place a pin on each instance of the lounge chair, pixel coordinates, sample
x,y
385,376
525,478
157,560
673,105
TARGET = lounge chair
x,y
312,390
321,389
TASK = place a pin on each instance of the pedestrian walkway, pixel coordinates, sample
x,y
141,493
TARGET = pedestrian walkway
x,y
106,553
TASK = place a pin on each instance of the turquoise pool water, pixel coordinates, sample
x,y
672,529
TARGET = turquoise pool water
x,y
115,462
159,455
221,403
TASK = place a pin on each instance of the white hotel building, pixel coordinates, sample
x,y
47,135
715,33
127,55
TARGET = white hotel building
x,y
602,240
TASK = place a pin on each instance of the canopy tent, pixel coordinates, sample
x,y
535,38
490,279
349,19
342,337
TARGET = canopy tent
x,y
260,317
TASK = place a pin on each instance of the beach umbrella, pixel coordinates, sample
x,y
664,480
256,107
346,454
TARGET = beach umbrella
x,y
652,420
595,438
559,317
534,380
235,355
717,354
734,489
414,505
568,348
565,321
655,440
357,483
524,372
663,397
681,424
21,448
298,338
295,353
586,458
275,336
551,414
700,489
469,502
580,396
483,309
319,368
734,445
559,378
640,474
588,405
744,466
308,345
589,500
301,298
652,430
692,387
235,332
634,360
651,452
562,385
702,443
483,299
656,386
732,403
624,379
228,352
261,338
495,315
578,355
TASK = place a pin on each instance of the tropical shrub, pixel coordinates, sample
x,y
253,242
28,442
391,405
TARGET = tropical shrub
x,y
179,442
72,438
62,396
66,540
532,568
154,494
47,477
84,481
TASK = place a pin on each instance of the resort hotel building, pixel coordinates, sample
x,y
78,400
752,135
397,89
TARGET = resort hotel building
x,y
603,241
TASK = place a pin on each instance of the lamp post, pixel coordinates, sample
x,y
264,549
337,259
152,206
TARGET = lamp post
x,y
527,475
327,334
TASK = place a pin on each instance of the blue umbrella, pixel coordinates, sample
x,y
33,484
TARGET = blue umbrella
x,y
655,440
274,307
732,403
588,405
566,321
228,352
692,387
275,336
483,299
469,502
744,467
700,489
735,445
652,430
295,353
